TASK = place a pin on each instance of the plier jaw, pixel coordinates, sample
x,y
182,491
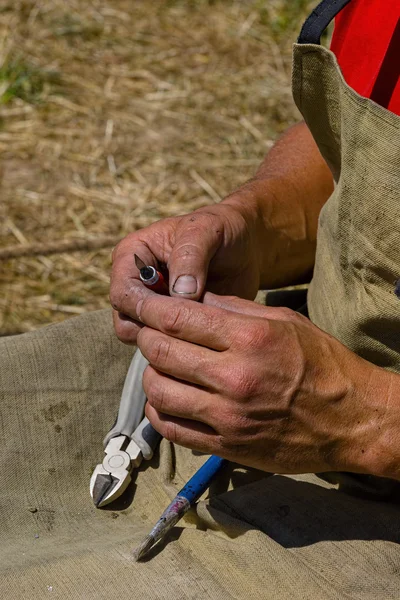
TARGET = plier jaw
x,y
131,439
111,478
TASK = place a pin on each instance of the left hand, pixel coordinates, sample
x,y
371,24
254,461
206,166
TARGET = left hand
x,y
260,386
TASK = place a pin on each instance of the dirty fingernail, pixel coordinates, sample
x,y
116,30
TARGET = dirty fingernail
x,y
185,284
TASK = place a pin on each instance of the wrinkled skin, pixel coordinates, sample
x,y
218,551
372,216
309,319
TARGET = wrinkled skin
x,y
260,386
207,243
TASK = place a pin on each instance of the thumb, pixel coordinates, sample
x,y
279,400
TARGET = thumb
x,y
197,239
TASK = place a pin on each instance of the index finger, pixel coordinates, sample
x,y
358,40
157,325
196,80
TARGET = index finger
x,y
123,259
191,321
126,287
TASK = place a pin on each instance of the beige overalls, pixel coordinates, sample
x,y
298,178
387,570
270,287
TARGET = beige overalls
x,y
269,537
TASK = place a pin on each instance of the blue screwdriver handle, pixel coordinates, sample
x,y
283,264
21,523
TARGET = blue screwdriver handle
x,y
201,479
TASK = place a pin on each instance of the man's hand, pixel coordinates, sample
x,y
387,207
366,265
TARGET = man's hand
x,y
261,235
217,245
263,387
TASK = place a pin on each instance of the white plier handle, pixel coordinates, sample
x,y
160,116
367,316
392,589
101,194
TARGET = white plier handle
x,y
131,439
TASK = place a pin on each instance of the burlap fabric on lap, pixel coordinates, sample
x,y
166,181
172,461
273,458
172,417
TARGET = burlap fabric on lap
x,y
272,537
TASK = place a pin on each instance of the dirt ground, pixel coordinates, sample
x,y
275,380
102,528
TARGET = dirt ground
x,y
116,113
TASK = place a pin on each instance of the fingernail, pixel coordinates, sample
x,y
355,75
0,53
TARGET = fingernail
x,y
185,284
139,308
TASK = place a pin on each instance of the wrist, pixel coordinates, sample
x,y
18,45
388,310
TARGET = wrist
x,y
374,447
245,200
285,249
248,202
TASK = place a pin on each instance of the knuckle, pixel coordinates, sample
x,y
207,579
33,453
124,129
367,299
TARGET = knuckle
x,y
170,431
156,396
153,389
186,251
243,382
255,335
124,295
115,297
158,351
175,319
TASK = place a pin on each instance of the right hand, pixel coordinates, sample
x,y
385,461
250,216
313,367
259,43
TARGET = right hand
x,y
213,249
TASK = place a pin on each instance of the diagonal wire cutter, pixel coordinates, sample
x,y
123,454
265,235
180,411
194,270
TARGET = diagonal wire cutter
x,y
131,439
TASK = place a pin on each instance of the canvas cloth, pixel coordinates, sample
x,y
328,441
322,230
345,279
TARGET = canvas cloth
x,y
255,537
271,537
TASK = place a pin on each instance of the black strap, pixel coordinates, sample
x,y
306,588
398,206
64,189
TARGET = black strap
x,y
319,20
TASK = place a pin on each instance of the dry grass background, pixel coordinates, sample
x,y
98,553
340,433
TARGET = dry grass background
x,y
116,113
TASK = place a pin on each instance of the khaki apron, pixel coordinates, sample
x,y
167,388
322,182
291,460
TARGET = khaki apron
x,y
352,294
268,537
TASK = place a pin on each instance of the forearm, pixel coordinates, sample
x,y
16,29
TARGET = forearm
x,y
283,202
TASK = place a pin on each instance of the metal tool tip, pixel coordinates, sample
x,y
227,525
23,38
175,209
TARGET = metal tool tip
x,y
101,487
138,262
143,548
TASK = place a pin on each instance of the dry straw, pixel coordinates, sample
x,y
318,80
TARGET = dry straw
x,y
116,113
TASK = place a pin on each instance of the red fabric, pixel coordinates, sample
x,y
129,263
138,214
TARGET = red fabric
x,y
366,41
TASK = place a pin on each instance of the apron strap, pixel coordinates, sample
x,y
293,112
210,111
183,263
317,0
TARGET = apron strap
x,y
319,20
